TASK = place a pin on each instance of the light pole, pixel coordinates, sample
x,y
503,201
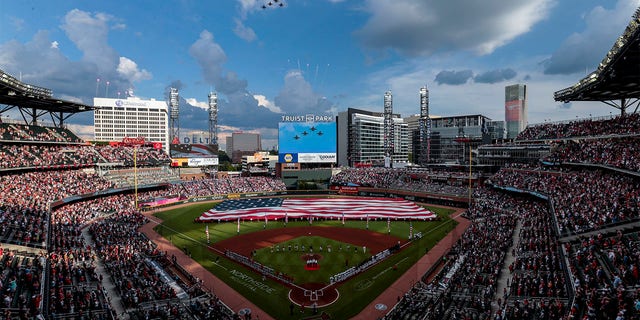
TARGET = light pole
x,y
135,176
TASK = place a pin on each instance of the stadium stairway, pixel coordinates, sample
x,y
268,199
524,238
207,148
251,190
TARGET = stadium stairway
x,y
503,280
107,282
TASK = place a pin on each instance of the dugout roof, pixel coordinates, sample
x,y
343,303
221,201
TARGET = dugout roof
x,y
33,101
617,76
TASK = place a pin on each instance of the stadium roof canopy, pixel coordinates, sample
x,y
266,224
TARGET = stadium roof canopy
x,y
617,77
33,102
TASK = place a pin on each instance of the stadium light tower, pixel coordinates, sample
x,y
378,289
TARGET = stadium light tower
x,y
174,112
388,129
213,118
424,127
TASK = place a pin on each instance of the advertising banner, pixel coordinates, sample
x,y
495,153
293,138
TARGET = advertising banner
x,y
288,158
202,162
317,157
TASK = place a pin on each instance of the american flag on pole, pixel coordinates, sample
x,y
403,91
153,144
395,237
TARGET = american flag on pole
x,y
354,208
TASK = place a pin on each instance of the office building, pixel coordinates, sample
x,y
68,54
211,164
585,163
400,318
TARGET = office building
x,y
360,138
115,119
242,144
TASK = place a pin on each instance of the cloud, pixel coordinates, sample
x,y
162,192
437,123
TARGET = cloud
x,y
238,106
200,104
264,102
41,62
243,31
583,51
89,33
119,26
453,77
495,76
432,26
209,55
129,70
297,96
247,6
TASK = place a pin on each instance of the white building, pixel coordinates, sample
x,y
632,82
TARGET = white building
x,y
360,138
115,119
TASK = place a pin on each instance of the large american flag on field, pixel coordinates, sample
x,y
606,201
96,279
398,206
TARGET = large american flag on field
x,y
352,208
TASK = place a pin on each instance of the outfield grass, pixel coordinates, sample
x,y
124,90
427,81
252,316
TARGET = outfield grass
x,y
179,227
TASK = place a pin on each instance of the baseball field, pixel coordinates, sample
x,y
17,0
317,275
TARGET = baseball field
x,y
308,256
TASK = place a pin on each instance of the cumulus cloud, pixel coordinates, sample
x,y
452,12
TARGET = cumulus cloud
x,y
89,33
129,70
40,61
243,31
453,77
583,51
241,108
200,104
209,56
495,76
264,102
431,26
297,95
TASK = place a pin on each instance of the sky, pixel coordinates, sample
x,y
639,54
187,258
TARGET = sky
x,y
311,56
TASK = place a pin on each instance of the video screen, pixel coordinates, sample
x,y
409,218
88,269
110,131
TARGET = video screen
x,y
307,142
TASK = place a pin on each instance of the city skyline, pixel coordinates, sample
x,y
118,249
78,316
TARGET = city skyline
x,y
313,56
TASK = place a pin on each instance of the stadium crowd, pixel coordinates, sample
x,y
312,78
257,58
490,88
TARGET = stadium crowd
x,y
621,152
605,274
65,270
594,199
21,132
600,268
620,125
432,181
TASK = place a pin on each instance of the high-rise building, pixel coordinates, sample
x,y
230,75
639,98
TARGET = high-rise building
x,y
422,153
515,109
114,119
241,144
413,126
360,138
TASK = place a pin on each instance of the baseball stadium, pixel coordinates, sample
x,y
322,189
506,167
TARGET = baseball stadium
x,y
548,227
